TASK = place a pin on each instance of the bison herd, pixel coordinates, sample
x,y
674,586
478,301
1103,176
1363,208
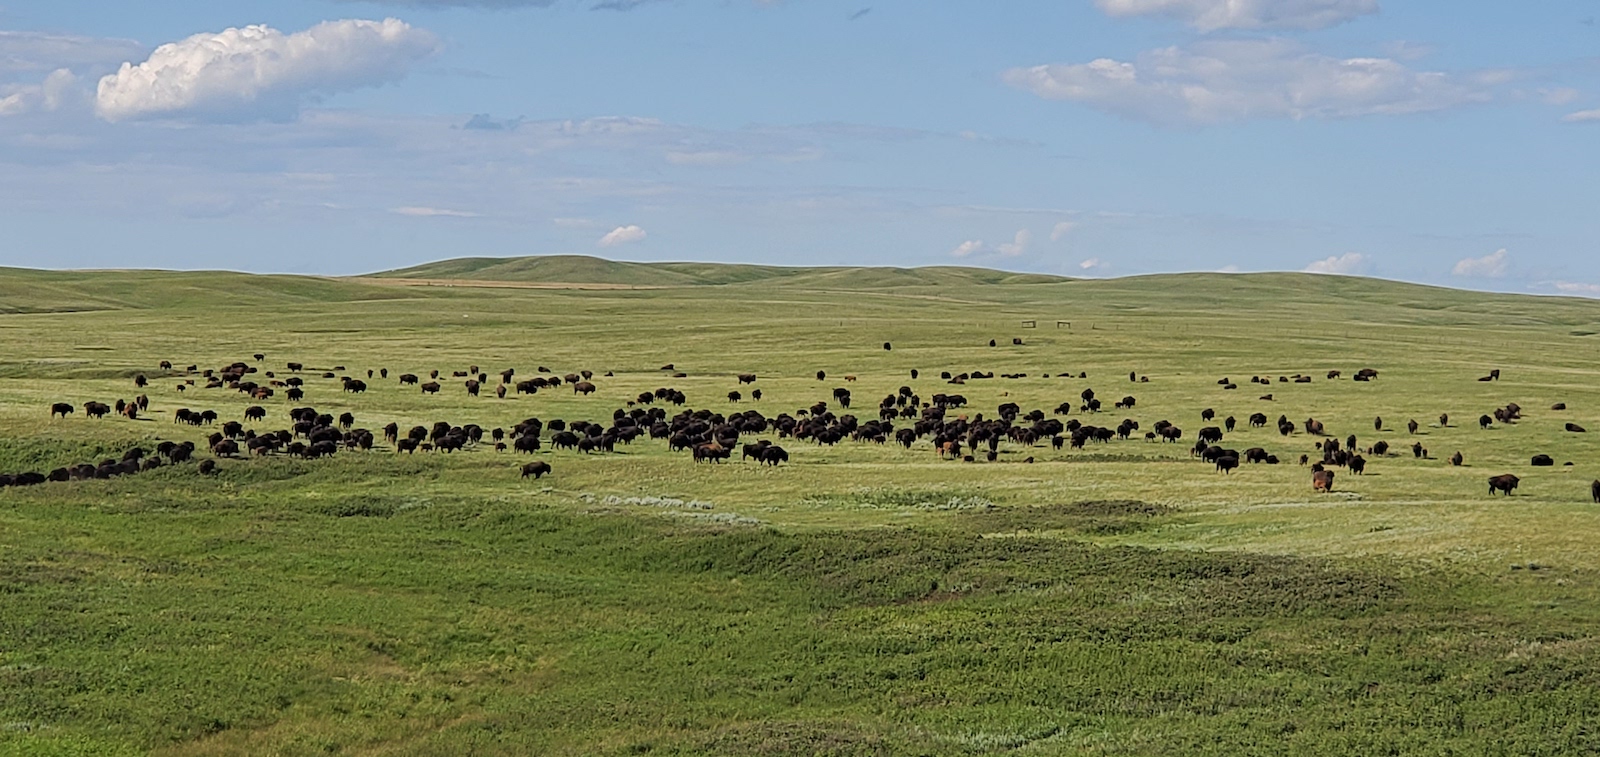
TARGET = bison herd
x,y
903,417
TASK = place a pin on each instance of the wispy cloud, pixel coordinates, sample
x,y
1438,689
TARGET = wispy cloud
x,y
1214,15
416,211
1220,81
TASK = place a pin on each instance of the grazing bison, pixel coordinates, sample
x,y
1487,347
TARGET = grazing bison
x,y
536,469
1504,484
1543,461
207,467
734,396
1322,480
355,386
61,408
583,387
1575,428
408,379
96,409
432,387
294,367
747,378
1227,464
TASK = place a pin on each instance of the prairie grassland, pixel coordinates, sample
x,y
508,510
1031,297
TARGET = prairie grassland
x,y
864,599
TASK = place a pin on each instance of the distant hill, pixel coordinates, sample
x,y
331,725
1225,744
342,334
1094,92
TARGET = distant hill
x,y
582,269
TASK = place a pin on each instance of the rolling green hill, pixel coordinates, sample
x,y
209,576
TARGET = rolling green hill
x,y
581,269
1120,598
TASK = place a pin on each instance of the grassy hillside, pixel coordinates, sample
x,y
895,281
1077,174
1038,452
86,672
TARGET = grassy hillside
x,y
580,269
863,599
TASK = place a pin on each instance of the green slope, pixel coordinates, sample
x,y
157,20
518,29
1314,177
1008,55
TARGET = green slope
x,y
580,269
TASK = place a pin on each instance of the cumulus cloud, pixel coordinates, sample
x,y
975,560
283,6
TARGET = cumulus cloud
x,y
1061,230
967,248
59,89
1213,15
1017,245
1491,266
1092,264
1349,264
622,235
1582,116
1237,80
258,72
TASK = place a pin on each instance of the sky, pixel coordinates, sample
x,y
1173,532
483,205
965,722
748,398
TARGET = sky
x,y
1449,142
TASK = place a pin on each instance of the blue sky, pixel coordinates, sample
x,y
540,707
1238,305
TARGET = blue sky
x,y
1443,142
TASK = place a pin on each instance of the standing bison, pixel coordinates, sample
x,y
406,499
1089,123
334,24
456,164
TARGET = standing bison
x,y
432,387
583,387
62,409
1504,484
536,469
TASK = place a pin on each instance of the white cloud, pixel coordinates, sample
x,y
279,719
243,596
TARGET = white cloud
x,y
1061,230
1576,287
1350,263
1236,80
1491,266
1092,264
59,89
622,235
1018,244
1582,116
967,248
425,212
1212,15
1558,95
31,52
706,157
259,72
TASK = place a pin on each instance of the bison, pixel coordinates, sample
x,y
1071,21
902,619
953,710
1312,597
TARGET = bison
x,y
1576,429
1504,484
62,409
1322,480
536,469
432,387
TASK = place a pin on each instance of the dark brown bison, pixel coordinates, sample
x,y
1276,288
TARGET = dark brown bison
x,y
734,396
408,379
1227,463
1542,461
747,378
536,469
1322,480
1504,484
207,467
1456,459
472,387
432,387
1559,406
1594,491
583,387
1485,421
294,367
1575,428
62,409
1412,426
96,409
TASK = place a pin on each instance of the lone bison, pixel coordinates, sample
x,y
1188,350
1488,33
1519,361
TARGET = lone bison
x,y
1505,484
536,469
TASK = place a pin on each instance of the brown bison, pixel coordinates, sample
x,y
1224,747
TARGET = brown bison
x,y
1575,428
432,387
1594,491
62,409
583,387
1504,484
747,378
1456,459
1322,480
536,469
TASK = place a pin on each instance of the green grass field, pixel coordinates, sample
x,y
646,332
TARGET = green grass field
x,y
1122,599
